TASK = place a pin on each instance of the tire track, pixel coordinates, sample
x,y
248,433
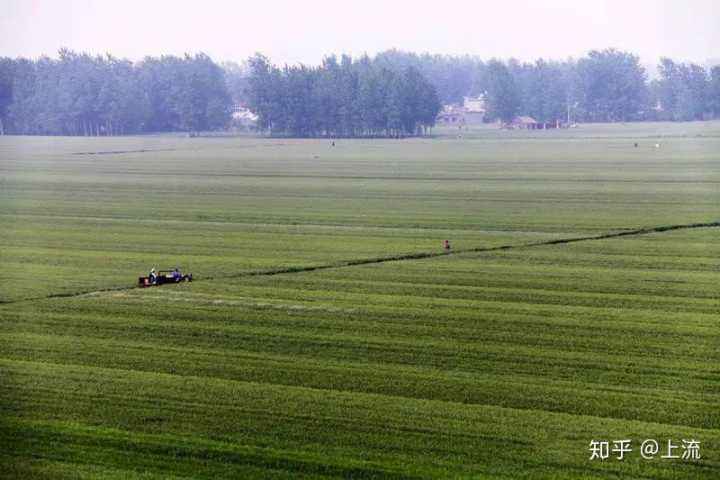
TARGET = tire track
x,y
120,152
397,258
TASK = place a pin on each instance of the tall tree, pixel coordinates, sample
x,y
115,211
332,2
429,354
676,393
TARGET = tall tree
x,y
713,96
6,90
345,98
503,95
236,78
683,90
263,83
612,86
546,95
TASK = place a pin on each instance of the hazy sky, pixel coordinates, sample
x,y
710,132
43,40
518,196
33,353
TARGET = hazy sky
x,y
306,30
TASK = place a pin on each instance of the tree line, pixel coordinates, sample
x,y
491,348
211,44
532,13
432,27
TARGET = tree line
x,y
602,86
80,94
341,98
394,93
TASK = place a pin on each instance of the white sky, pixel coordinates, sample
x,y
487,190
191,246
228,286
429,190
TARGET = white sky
x,y
306,30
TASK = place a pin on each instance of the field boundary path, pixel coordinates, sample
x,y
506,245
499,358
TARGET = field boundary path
x,y
396,258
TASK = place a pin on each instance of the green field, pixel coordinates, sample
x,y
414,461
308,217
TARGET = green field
x,y
502,363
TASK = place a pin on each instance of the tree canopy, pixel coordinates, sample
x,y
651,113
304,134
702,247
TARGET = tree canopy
x,y
602,86
684,91
80,94
394,93
341,98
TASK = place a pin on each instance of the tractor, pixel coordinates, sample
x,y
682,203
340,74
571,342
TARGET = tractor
x,y
164,276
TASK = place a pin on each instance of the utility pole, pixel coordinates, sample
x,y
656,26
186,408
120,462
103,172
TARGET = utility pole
x,y
568,119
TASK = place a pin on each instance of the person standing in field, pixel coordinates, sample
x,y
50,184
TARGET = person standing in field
x,y
446,245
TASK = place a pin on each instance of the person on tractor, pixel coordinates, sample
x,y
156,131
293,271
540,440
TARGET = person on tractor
x,y
152,276
176,275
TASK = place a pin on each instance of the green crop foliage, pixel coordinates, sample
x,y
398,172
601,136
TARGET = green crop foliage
x,y
486,364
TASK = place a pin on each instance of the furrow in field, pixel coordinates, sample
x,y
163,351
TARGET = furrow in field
x,y
486,383
409,257
377,431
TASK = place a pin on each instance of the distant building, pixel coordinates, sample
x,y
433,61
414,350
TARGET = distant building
x,y
474,110
242,117
471,112
524,122
451,115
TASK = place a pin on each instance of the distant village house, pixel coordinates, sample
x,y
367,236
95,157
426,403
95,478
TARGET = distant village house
x,y
243,118
525,122
471,112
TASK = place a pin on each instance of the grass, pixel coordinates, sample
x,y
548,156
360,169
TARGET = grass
x,y
501,364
